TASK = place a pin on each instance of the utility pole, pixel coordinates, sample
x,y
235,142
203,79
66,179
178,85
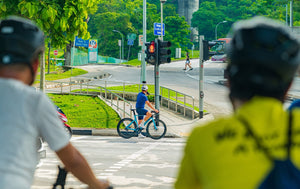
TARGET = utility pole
x,y
156,76
201,74
143,63
161,18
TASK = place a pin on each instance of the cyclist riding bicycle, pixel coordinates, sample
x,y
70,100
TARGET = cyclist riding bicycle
x,y
141,100
26,115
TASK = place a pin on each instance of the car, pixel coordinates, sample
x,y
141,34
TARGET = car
x,y
219,57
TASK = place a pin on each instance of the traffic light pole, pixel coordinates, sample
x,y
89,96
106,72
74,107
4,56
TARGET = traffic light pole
x,y
157,53
201,74
156,77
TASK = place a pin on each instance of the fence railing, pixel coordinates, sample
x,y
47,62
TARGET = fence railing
x,y
122,105
178,98
167,95
115,97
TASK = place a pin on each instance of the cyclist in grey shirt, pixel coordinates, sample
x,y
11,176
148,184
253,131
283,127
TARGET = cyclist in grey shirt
x,y
26,115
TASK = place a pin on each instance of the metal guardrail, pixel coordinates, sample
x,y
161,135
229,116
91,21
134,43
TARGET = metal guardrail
x,y
178,100
110,97
187,101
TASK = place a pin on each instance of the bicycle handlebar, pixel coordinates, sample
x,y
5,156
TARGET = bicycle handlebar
x,y
61,179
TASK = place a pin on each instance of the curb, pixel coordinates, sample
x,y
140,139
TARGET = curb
x,y
110,132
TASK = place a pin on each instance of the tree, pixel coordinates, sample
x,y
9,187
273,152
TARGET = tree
x,y
206,19
211,13
108,40
177,31
126,16
60,20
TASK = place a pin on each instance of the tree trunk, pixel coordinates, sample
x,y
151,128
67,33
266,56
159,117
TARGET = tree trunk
x,y
68,54
42,73
49,48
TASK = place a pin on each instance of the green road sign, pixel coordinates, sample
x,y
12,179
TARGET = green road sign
x,y
131,36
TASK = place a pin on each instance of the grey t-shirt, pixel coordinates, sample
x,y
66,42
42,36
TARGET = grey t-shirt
x,y
25,115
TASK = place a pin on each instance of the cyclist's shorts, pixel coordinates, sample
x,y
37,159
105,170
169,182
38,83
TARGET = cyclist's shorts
x,y
141,112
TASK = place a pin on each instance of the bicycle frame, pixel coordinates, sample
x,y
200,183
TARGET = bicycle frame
x,y
136,121
155,128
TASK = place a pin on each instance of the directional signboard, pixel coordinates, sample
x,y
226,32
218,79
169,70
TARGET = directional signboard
x,y
93,51
140,40
157,29
131,36
81,42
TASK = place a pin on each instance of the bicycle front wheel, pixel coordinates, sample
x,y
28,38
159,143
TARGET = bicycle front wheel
x,y
126,127
156,131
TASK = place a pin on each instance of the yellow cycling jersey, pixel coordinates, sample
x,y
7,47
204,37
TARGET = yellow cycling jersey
x,y
222,154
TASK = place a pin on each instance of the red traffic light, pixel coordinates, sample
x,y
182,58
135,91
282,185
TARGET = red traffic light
x,y
152,47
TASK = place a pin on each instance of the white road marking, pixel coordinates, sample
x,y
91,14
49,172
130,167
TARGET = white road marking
x,y
128,160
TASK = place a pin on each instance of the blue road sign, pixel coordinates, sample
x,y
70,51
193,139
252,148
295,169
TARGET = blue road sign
x,y
157,29
130,42
81,42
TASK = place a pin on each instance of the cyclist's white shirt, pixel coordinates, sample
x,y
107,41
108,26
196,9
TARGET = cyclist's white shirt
x,y
24,116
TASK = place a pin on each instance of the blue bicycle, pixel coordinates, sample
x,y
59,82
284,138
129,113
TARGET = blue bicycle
x,y
155,128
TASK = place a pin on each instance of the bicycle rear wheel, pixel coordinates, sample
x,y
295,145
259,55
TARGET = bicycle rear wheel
x,y
126,127
156,131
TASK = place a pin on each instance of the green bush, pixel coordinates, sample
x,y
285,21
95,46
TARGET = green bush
x,y
151,98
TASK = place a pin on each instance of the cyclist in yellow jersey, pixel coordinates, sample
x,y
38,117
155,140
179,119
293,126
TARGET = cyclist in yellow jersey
x,y
263,58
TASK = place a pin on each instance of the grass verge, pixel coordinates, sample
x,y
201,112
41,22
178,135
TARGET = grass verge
x,y
86,111
60,74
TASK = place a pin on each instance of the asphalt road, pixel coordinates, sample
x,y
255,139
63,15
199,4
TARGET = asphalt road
x,y
172,76
128,163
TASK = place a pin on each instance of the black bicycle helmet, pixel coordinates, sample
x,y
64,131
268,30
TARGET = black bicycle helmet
x,y
263,57
21,41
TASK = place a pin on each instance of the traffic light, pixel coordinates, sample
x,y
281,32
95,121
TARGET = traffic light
x,y
150,52
206,47
162,51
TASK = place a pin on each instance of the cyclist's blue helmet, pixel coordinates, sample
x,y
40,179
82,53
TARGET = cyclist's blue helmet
x,y
263,57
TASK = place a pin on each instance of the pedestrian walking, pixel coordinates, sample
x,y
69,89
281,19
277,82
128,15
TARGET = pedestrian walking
x,y
187,62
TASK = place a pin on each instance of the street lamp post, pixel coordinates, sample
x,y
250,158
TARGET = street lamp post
x,y
122,43
217,27
143,62
161,18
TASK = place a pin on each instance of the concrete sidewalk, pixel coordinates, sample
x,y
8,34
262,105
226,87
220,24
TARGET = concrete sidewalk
x,y
177,125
